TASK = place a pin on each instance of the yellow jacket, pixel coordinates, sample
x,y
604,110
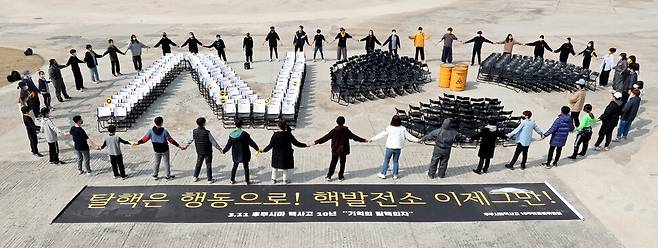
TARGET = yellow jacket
x,y
419,39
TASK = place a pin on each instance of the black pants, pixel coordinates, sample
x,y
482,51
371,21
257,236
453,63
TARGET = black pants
x,y
332,165
60,89
117,165
574,118
316,50
235,168
46,99
32,136
485,162
586,61
582,138
558,152
221,54
604,133
199,160
116,67
520,149
276,53
35,104
420,50
477,52
603,78
249,55
53,151
299,48
137,62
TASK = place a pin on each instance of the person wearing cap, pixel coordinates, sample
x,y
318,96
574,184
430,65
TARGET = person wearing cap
x,y
629,112
606,67
577,100
448,38
91,58
565,50
219,45
75,69
393,42
559,132
341,50
478,40
540,45
609,120
272,39
419,42
166,44
299,39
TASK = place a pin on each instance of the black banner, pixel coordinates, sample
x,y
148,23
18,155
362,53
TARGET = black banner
x,y
318,203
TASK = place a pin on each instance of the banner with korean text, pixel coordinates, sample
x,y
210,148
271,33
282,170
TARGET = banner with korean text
x,y
318,203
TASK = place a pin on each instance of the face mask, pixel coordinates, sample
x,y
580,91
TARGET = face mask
x,y
541,39
217,39
74,54
191,36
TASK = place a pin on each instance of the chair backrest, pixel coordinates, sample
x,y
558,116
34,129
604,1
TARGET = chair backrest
x,y
119,112
274,108
230,108
104,111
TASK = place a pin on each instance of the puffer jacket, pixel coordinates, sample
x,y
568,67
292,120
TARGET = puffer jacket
x,y
560,129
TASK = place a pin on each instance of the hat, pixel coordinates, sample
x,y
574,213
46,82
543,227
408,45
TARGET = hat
x,y
581,82
617,95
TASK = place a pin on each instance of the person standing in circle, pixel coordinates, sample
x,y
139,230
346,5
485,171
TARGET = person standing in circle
x,y
166,44
219,45
248,47
282,153
193,44
341,50
75,69
477,46
299,39
272,39
135,48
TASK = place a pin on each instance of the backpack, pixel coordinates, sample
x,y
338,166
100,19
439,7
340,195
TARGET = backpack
x,y
247,65
28,52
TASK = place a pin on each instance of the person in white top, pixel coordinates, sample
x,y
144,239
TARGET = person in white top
x,y
606,66
396,135
51,132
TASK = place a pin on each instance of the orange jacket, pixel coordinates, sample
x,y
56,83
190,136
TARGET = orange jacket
x,y
419,39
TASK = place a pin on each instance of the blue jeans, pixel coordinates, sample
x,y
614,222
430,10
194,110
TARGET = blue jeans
x,y
94,74
395,153
624,127
446,57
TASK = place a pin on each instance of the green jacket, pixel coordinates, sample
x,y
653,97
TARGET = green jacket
x,y
586,121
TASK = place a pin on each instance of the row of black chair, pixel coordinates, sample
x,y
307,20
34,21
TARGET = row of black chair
x,y
379,74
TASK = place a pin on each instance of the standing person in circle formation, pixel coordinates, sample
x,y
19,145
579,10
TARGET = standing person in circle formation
x,y
166,44
248,47
565,50
393,42
112,50
300,38
282,153
272,39
317,44
540,45
370,40
588,53
340,137
477,46
341,50
219,45
192,43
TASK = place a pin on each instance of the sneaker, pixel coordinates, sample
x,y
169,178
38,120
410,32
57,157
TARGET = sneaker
x,y
124,177
248,182
522,167
509,166
120,74
81,172
156,178
618,139
232,182
211,181
625,137
572,157
54,162
324,61
382,176
277,60
116,177
170,178
598,148
270,60
36,154
477,172
546,165
313,60
195,179
430,176
286,181
89,174
395,177
606,148
327,178
61,162
273,181
341,179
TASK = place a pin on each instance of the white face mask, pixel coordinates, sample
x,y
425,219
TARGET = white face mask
x,y
74,54
393,33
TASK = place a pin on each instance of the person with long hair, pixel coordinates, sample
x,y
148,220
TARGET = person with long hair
x,y
584,132
395,135
508,44
606,66
192,43
620,67
282,153
588,53
370,40
135,48
488,138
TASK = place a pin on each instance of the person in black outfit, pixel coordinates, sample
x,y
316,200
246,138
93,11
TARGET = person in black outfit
x,y
75,69
240,141
27,95
565,50
166,44
299,39
272,39
477,46
540,45
340,138
34,102
91,58
393,42
219,45
44,89
204,142
609,120
317,43
55,75
282,153
488,137
112,50
31,131
192,42
588,53
341,50
248,47
370,40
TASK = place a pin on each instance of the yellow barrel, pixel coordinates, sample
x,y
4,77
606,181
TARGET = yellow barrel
x,y
458,78
444,75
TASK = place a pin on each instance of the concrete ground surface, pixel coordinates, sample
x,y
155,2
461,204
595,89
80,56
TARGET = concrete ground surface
x,y
615,190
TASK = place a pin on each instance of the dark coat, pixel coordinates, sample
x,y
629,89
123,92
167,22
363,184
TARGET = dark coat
x,y
564,51
488,142
113,51
282,153
560,129
166,44
218,44
272,38
75,68
193,45
340,138
91,59
300,38
630,109
478,41
390,45
610,116
240,141
371,40
539,45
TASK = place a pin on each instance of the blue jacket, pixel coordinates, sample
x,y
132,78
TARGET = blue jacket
x,y
560,129
523,132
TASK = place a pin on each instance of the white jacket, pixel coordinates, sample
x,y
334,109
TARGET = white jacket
x,y
50,130
395,137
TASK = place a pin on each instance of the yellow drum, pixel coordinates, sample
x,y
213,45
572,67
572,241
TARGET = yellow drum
x,y
458,78
444,75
